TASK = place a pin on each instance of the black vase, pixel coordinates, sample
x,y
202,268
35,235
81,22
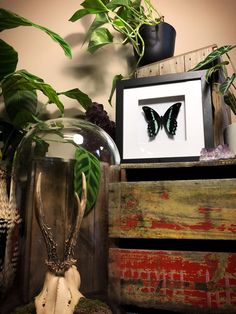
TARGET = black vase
x,y
159,42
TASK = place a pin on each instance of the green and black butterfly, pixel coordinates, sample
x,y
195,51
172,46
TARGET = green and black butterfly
x,y
168,120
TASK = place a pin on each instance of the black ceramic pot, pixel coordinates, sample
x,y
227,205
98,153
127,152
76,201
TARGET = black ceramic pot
x,y
159,42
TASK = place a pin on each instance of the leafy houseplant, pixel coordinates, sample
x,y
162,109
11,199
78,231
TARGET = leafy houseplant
x,y
126,19
213,63
124,16
19,88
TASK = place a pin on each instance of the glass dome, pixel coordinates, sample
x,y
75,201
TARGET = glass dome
x,y
59,138
57,152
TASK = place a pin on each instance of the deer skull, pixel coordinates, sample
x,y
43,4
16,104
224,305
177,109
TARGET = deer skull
x,y
60,293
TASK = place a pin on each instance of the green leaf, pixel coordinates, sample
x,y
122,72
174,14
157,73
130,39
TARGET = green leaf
x,y
116,78
29,76
99,20
22,80
78,15
99,38
230,100
10,138
118,23
23,118
94,6
21,106
113,4
215,68
224,87
41,147
90,166
8,59
81,97
9,20
213,56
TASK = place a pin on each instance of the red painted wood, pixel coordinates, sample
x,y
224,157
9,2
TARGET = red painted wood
x,y
173,279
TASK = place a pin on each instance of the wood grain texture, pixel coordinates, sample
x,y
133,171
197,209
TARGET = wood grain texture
x,y
194,209
185,281
176,64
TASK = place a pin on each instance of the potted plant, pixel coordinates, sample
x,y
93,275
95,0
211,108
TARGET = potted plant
x,y
215,64
140,25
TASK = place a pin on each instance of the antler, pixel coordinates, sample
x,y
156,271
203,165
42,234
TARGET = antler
x,y
72,239
54,264
51,245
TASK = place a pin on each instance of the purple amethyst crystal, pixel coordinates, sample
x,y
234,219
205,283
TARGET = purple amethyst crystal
x,y
219,152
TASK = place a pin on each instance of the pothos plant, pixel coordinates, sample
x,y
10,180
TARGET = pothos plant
x,y
214,62
124,17
19,92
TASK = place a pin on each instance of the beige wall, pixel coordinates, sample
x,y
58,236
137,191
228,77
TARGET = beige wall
x,y
198,23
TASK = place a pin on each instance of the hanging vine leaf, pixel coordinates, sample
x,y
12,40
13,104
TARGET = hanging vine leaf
x,y
215,68
88,164
217,53
224,87
230,100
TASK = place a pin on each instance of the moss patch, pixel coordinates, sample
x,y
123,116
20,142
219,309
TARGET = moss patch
x,y
85,306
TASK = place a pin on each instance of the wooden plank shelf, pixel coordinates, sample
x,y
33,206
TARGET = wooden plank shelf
x,y
172,230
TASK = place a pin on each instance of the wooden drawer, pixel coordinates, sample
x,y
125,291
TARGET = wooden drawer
x,y
187,209
171,230
185,281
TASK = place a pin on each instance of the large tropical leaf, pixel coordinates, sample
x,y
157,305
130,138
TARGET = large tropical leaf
x,y
90,166
24,81
81,97
10,20
100,37
217,53
8,59
21,107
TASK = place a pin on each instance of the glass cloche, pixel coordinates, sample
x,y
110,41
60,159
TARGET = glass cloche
x,y
53,155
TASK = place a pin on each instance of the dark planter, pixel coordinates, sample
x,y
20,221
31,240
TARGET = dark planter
x,y
159,42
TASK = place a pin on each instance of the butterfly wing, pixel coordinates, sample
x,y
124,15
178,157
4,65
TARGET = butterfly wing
x,y
170,118
153,119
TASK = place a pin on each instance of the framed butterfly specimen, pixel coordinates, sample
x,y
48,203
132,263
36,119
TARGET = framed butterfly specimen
x,y
168,120
164,118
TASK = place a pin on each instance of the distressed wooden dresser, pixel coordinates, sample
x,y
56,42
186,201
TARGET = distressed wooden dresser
x,y
172,231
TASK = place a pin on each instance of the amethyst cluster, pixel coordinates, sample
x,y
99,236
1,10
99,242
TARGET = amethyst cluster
x,y
219,152
97,115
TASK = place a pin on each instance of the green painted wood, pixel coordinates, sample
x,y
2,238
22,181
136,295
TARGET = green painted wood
x,y
194,209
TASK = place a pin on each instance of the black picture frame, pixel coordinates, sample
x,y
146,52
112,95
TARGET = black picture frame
x,y
195,118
